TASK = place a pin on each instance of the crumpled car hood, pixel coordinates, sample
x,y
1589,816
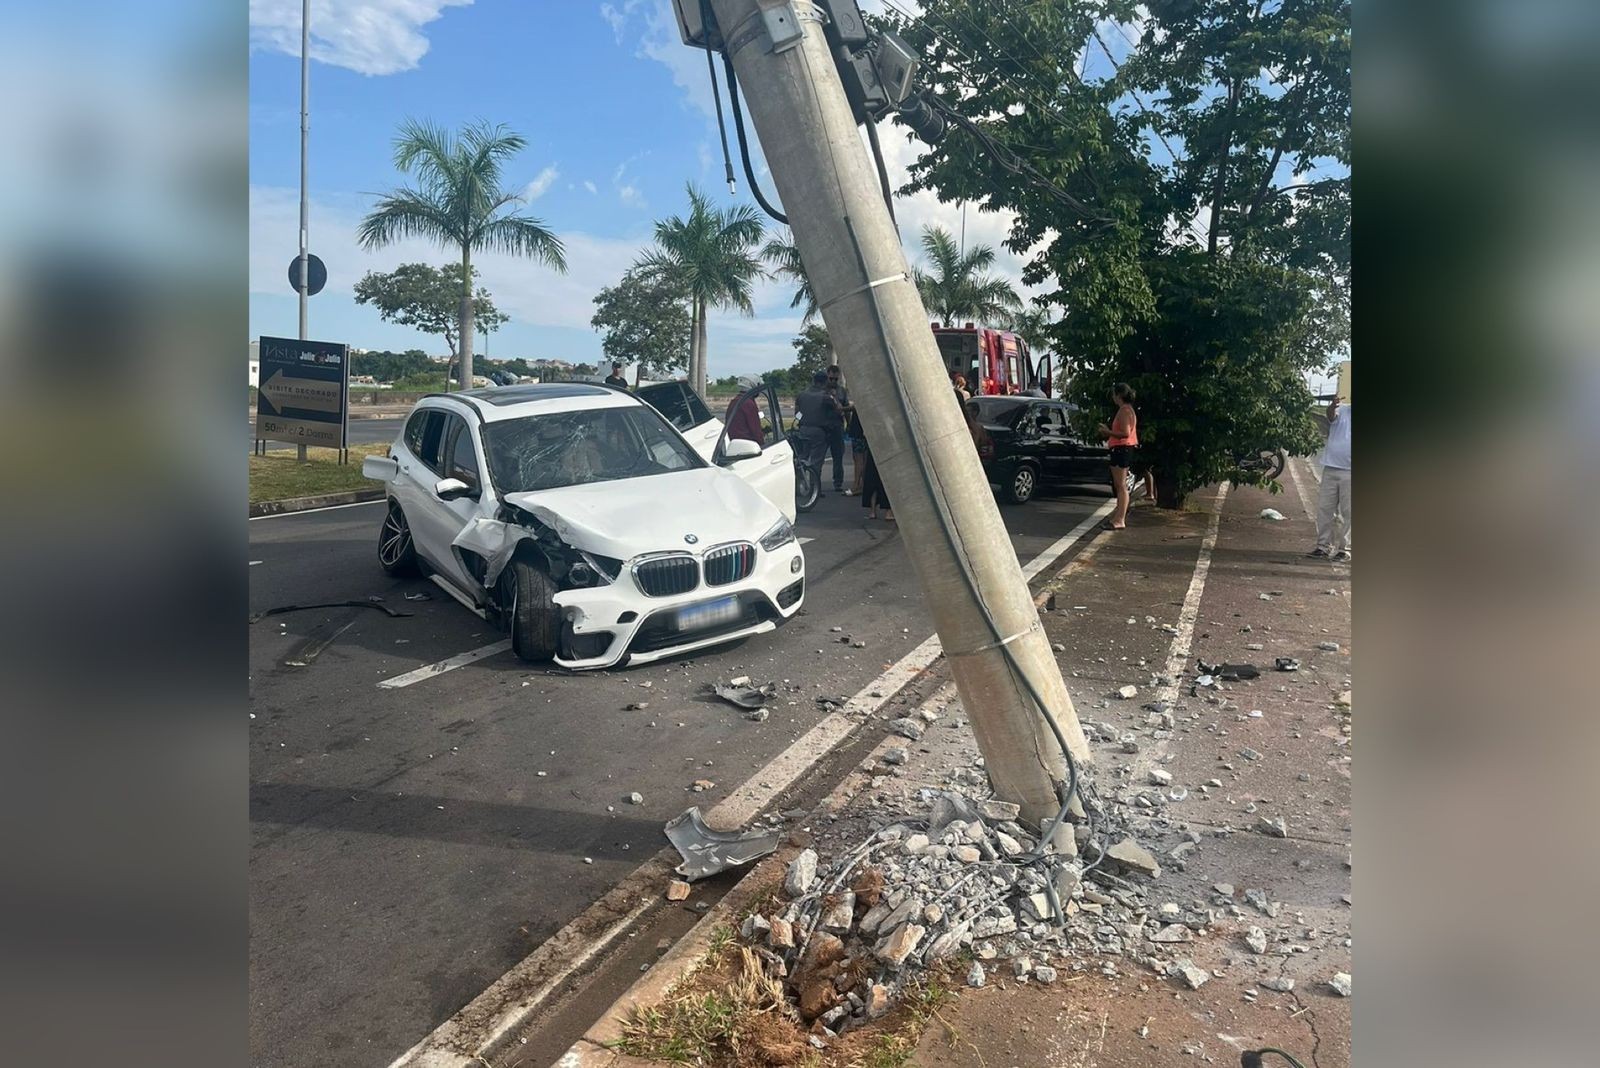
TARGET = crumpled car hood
x,y
624,518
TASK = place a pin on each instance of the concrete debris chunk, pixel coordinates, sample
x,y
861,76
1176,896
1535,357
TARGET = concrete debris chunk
x,y
997,811
1277,985
677,890
802,874
916,844
1134,857
1021,966
780,934
906,727
1328,647
1159,777
635,799
1175,932
900,944
877,1001
754,927
1273,828
1044,973
1340,984
839,911
895,757
1128,693
1008,845
975,975
949,807
757,715
1192,974
966,854
1256,940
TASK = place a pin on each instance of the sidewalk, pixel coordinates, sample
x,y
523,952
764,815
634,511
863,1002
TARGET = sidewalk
x,y
1134,608
1300,774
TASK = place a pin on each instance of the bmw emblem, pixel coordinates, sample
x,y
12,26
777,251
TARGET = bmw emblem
x,y
690,538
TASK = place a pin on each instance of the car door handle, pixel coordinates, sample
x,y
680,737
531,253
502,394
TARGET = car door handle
x,y
776,460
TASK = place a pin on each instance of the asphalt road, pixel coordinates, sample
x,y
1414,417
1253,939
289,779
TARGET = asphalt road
x,y
409,845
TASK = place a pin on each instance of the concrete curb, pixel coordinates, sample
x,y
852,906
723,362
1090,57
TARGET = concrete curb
x,y
324,500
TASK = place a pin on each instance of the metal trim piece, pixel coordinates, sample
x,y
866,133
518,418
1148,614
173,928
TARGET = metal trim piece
x,y
903,276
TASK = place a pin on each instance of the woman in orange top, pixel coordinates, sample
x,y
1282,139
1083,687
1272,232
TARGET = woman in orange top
x,y
1122,437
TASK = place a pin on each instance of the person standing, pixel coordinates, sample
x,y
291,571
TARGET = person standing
x,y
1122,438
873,495
816,409
743,417
615,378
858,452
1333,503
959,381
834,428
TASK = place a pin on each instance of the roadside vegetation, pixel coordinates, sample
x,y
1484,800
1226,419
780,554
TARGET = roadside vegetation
x,y
279,476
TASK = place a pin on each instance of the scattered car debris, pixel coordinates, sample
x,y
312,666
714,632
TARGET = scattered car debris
x,y
706,851
1286,663
635,799
420,595
1128,693
744,695
1272,514
1328,647
1229,672
757,715
677,890
700,786
282,609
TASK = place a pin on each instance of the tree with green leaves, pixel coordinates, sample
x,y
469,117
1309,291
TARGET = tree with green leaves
x,y
644,320
428,299
784,255
714,252
457,202
1189,201
958,286
813,351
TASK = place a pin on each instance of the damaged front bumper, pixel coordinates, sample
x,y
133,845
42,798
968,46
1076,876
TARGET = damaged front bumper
x,y
607,624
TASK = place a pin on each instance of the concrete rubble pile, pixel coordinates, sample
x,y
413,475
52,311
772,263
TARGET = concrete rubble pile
x,y
964,875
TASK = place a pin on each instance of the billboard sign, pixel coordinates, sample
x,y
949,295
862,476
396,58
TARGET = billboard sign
x,y
304,392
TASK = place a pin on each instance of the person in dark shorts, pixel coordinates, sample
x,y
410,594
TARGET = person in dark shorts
x,y
1122,438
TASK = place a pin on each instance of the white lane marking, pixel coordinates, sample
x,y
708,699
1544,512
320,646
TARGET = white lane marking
x,y
253,563
1178,653
442,1048
1062,544
428,671
324,508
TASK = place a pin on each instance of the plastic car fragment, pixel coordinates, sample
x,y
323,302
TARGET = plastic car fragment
x,y
706,852
747,697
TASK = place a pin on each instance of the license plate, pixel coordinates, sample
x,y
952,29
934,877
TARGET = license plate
x,y
709,614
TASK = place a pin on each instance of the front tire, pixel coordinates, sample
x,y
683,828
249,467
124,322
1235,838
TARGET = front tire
x,y
534,619
397,554
807,488
1022,484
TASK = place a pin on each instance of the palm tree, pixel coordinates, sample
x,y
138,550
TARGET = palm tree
x,y
713,253
784,255
1033,323
457,202
957,288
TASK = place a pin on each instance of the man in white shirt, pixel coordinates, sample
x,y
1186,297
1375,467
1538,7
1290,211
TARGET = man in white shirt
x,y
1333,506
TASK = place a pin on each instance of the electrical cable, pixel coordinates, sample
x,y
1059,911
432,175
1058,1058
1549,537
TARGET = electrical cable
x,y
744,146
706,22
883,172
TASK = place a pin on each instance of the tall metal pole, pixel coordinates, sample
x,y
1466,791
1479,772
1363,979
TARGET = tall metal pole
x,y
971,581
305,128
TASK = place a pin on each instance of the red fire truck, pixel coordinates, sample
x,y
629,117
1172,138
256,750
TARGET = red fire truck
x,y
994,362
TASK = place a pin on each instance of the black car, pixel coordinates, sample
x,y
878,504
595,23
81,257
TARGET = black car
x,y
1035,447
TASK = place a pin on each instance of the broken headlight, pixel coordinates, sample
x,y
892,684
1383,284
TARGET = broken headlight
x,y
781,534
604,568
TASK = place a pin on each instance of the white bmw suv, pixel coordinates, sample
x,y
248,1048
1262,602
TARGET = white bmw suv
x,y
576,517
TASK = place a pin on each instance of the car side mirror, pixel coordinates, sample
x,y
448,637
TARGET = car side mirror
x,y
740,449
380,468
450,489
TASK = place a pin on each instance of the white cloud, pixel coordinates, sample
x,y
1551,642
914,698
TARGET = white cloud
x,y
590,186
654,29
541,183
630,194
366,36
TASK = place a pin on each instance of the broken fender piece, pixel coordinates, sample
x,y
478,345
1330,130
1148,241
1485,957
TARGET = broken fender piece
x,y
281,609
706,851
746,697
1229,672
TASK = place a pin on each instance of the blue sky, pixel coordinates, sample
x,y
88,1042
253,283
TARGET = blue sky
x,y
617,114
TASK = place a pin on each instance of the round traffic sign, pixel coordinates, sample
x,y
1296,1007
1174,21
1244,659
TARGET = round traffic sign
x,y
316,272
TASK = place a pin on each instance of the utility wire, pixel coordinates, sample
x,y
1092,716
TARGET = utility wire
x,y
707,20
744,147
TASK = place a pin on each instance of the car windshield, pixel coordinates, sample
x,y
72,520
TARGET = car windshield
x,y
998,411
542,452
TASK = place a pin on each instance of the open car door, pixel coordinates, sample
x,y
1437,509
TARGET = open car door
x,y
683,408
755,415
1043,377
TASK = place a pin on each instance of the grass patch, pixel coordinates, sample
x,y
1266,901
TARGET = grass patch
x,y
279,475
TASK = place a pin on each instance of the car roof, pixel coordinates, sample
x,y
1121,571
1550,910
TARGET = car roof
x,y
537,398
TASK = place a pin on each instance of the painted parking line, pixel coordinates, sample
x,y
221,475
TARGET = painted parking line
x,y
428,671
